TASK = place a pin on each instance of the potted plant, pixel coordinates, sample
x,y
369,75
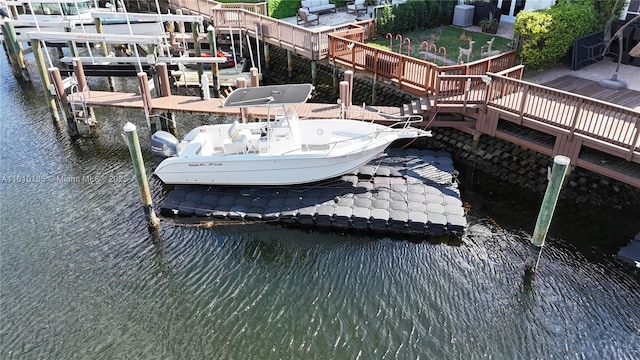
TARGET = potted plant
x,y
490,24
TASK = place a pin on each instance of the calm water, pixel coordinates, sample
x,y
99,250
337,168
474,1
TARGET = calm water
x,y
80,277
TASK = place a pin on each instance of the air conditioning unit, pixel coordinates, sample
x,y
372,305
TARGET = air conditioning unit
x,y
463,15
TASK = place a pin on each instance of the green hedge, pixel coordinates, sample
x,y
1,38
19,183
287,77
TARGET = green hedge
x,y
414,15
545,36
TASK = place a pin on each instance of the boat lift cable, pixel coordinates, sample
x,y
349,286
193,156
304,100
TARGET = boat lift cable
x,y
135,46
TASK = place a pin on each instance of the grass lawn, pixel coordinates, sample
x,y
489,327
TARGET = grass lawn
x,y
449,37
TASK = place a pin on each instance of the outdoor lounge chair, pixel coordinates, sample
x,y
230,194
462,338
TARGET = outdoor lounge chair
x,y
306,19
356,6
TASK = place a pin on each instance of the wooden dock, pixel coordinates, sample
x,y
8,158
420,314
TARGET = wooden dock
x,y
213,106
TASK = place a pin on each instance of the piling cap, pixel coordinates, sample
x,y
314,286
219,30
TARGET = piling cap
x,y
129,127
561,160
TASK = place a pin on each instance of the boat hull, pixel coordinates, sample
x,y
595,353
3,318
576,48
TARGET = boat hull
x,y
257,169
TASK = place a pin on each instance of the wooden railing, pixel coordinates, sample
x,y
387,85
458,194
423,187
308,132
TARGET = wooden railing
x,y
409,73
203,7
576,114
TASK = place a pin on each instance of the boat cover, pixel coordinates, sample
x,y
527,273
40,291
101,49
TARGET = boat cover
x,y
269,95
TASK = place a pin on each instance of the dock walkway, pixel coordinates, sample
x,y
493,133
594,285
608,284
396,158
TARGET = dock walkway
x,y
213,106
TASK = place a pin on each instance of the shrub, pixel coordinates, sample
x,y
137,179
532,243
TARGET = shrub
x,y
545,36
414,15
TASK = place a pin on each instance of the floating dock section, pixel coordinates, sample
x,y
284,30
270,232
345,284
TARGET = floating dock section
x,y
631,252
402,191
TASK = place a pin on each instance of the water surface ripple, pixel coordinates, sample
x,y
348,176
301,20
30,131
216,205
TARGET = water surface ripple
x,y
81,278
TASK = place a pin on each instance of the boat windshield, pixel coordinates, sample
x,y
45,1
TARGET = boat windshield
x,y
61,8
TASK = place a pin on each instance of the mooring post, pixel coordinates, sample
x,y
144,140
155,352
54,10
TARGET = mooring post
x,y
141,175
168,119
558,172
255,77
348,77
242,83
215,70
267,57
145,93
58,85
89,117
335,80
46,82
476,141
314,72
374,86
14,50
289,63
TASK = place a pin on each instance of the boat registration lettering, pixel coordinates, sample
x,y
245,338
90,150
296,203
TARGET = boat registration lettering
x,y
204,164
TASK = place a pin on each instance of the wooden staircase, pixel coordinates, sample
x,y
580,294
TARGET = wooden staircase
x,y
438,116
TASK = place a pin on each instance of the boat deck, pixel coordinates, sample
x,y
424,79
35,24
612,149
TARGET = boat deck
x,y
407,192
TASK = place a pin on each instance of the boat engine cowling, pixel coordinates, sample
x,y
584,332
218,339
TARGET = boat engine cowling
x,y
163,145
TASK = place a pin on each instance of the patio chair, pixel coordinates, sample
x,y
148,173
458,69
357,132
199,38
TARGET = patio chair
x,y
355,6
306,19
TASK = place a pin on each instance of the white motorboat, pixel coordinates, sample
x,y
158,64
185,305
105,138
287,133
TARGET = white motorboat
x,y
76,16
282,150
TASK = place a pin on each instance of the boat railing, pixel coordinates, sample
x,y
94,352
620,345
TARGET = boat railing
x,y
364,114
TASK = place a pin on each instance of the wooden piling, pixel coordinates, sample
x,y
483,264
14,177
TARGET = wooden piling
x,y
242,83
289,63
348,77
104,49
255,77
374,88
215,69
133,144
558,172
145,92
314,72
267,57
89,116
168,119
36,46
14,49
196,45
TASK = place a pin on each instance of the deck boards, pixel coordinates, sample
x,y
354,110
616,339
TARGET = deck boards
x,y
625,97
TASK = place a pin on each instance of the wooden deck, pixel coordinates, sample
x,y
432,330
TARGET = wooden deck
x,y
625,97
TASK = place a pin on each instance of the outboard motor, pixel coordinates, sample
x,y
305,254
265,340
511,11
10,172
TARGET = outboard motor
x,y
163,145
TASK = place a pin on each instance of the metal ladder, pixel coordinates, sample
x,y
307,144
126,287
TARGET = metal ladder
x,y
78,106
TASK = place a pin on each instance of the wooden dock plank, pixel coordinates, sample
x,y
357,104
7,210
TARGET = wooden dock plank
x,y
213,106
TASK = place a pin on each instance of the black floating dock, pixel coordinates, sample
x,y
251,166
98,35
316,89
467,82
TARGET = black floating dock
x,y
402,191
631,252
